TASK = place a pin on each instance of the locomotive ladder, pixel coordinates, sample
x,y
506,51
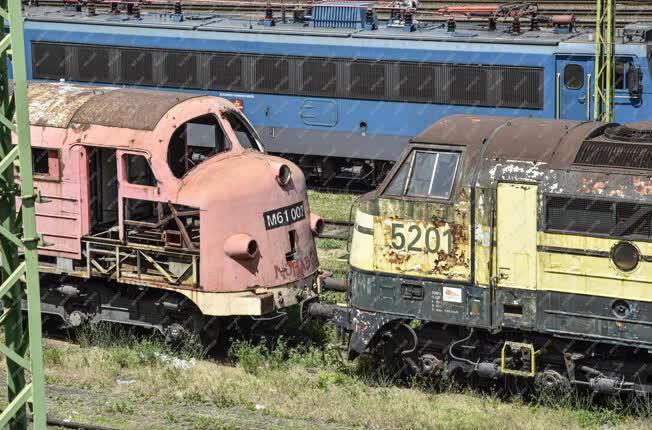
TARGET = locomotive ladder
x,y
19,277
605,64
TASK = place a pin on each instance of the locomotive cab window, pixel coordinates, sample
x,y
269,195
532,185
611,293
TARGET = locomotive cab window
x,y
247,136
138,170
573,76
621,77
195,142
45,162
428,174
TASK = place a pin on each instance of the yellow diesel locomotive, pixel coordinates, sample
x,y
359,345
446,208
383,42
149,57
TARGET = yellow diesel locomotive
x,y
518,248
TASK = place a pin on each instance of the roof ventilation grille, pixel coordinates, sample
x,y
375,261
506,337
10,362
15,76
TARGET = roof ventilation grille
x,y
341,14
614,154
624,133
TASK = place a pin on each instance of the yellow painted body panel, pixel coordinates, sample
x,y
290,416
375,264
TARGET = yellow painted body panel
x,y
362,243
516,236
419,248
595,276
483,237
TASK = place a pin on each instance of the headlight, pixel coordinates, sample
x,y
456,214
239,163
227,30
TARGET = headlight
x,y
625,256
284,174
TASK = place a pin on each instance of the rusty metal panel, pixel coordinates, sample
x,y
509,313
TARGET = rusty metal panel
x,y
422,238
135,109
53,105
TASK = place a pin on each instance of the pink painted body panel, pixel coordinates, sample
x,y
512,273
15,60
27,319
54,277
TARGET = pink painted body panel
x,y
232,190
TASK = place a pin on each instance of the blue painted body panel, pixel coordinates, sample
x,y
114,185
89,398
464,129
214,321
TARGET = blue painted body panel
x,y
339,119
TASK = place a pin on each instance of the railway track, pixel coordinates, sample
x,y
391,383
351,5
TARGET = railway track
x,y
584,10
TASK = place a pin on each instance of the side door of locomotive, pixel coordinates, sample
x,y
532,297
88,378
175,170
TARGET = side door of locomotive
x,y
516,255
574,87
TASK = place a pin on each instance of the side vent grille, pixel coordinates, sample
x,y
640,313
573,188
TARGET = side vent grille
x,y
598,217
347,78
614,154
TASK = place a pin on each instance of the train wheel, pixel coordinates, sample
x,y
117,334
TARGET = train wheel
x,y
210,335
389,352
551,382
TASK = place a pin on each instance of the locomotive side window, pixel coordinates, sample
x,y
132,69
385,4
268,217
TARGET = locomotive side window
x,y
620,79
194,142
574,76
425,174
397,186
45,162
246,135
138,170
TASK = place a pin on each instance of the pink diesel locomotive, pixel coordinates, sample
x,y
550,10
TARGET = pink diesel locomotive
x,y
161,209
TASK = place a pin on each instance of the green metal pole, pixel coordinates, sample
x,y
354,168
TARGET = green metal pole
x,y
28,215
597,91
605,64
22,347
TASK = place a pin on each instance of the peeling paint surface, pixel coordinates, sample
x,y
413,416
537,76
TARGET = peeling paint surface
x,y
423,239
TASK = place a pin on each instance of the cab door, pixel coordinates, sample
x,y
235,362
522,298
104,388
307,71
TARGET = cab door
x,y
516,255
574,87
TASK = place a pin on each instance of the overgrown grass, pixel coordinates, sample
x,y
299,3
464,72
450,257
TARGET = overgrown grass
x,y
333,256
331,206
131,347
285,380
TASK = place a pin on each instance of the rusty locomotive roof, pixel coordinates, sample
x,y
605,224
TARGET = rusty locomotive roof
x,y
556,142
61,105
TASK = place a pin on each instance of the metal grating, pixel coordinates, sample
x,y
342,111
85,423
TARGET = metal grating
x,y
417,83
93,64
271,74
512,87
225,72
136,67
179,69
468,85
628,134
318,77
339,15
520,87
614,154
598,217
367,79
49,59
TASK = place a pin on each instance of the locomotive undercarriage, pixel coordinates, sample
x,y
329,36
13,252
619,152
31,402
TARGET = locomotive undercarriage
x,y
336,172
78,302
517,361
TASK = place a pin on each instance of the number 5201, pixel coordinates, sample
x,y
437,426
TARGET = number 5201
x,y
414,237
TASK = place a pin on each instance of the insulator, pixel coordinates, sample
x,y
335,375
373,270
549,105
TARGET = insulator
x,y
408,17
516,25
451,25
91,8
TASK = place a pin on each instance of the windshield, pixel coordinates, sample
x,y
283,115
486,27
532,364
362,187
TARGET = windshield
x,y
425,174
194,142
247,136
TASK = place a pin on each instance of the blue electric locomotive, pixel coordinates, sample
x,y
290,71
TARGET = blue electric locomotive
x,y
342,93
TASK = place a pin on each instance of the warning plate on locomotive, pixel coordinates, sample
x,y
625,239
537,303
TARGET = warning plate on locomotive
x,y
284,216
